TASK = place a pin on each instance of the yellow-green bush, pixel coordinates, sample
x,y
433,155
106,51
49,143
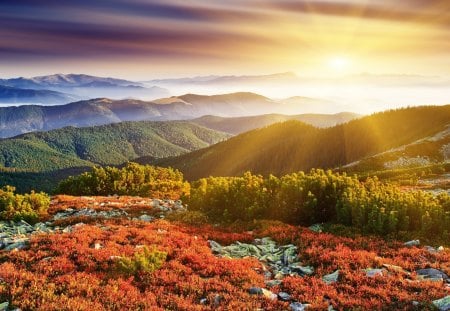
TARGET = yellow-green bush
x,y
132,179
29,207
145,260
322,196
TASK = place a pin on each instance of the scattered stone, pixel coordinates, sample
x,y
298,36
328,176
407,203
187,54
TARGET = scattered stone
x,y
331,278
217,300
443,304
255,291
4,306
284,296
203,301
374,272
268,294
412,243
301,270
316,228
432,274
297,306
280,261
397,269
146,218
272,283
97,246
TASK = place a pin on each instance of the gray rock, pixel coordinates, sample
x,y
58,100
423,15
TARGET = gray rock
x,y
443,304
16,246
301,270
316,228
374,272
297,306
412,243
273,283
268,294
431,273
146,218
284,296
331,278
255,291
4,306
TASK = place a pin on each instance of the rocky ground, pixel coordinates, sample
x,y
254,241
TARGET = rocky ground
x,y
280,264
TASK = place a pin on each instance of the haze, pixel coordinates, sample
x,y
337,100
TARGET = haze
x,y
365,55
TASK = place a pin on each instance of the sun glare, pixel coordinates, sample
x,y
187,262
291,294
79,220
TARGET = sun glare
x,y
339,63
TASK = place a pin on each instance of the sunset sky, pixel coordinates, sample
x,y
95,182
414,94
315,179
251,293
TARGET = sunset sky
x,y
139,39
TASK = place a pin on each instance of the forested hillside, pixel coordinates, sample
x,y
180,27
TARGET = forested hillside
x,y
292,146
240,125
108,144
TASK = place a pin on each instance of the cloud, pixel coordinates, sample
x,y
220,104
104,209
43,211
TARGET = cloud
x,y
269,33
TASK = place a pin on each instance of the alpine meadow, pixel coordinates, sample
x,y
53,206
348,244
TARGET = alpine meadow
x,y
258,155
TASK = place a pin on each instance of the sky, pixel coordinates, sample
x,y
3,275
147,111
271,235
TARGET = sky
x,y
137,39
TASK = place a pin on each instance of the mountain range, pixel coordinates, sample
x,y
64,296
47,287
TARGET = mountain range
x,y
15,95
293,146
29,118
62,89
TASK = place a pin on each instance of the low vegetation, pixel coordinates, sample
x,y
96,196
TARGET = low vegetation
x,y
30,207
322,196
133,179
145,260
64,272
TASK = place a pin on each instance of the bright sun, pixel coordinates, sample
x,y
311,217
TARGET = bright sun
x,y
338,63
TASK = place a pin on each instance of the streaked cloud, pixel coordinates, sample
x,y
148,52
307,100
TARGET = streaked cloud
x,y
196,36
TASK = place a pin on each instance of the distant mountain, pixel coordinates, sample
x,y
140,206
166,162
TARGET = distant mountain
x,y
18,120
109,144
15,95
239,125
292,146
214,79
62,80
85,86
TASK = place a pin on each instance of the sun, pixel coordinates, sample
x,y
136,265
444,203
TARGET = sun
x,y
339,63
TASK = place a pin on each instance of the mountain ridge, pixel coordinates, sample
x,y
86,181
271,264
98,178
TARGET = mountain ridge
x,y
99,111
293,146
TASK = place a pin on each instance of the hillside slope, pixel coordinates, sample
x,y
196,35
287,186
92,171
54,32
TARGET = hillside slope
x,y
23,119
240,125
292,145
108,144
15,95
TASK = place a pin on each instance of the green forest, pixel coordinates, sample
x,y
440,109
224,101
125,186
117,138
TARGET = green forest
x,y
292,146
111,144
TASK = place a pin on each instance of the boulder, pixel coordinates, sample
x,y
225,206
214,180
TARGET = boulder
x,y
331,278
316,228
284,296
412,243
374,272
443,304
432,274
255,291
297,306
4,306
268,294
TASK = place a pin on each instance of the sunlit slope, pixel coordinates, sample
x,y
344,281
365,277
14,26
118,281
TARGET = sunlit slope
x,y
292,146
239,125
108,144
